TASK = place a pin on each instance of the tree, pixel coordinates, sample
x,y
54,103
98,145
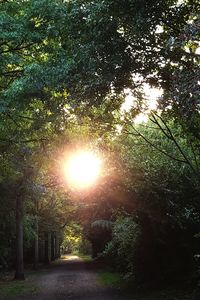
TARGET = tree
x,y
165,199
25,116
65,63
118,40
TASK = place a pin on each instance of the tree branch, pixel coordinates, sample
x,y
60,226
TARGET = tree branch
x,y
155,121
173,139
157,148
17,48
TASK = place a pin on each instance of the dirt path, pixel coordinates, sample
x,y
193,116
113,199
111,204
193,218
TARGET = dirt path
x,y
71,279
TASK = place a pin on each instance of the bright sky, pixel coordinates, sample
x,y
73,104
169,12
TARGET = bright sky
x,y
152,95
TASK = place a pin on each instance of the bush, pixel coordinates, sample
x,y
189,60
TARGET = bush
x,y
122,249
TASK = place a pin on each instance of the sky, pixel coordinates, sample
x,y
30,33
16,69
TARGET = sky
x,y
152,95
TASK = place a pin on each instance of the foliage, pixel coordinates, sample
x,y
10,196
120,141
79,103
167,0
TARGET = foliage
x,y
65,67
164,190
118,40
104,224
110,279
123,245
15,289
167,168
74,240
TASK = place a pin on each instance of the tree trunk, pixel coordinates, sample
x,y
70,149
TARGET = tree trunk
x,y
19,274
57,245
36,244
48,247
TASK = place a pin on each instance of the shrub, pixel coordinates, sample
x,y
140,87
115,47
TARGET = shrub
x,y
123,246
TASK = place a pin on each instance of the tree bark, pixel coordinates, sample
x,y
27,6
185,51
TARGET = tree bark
x,y
57,245
49,247
19,274
36,244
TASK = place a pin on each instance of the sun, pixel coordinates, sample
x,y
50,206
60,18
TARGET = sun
x,y
82,169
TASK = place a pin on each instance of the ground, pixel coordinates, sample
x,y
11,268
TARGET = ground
x,y
75,279
70,278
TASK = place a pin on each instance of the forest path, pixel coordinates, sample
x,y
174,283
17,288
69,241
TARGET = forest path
x,y
71,278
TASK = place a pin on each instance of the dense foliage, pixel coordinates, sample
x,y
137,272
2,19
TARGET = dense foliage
x,y
122,249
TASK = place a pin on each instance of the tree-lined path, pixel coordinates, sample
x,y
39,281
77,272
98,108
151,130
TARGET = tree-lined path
x,y
100,146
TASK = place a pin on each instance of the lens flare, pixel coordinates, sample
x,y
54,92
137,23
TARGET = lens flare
x,y
82,169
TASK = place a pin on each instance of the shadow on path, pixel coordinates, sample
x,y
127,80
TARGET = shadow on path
x,y
72,278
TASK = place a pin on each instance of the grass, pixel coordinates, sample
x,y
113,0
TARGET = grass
x,y
15,288
85,257
109,278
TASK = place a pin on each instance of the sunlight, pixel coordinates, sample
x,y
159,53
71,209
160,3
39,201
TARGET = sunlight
x,y
70,257
82,169
152,95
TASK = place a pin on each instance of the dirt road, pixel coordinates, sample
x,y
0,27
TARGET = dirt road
x,y
71,279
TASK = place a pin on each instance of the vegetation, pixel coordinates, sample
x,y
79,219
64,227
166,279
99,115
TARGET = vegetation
x,y
17,288
108,278
67,69
75,242
123,246
86,258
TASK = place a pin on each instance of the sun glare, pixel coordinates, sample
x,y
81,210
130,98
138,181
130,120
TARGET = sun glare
x,y
82,169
